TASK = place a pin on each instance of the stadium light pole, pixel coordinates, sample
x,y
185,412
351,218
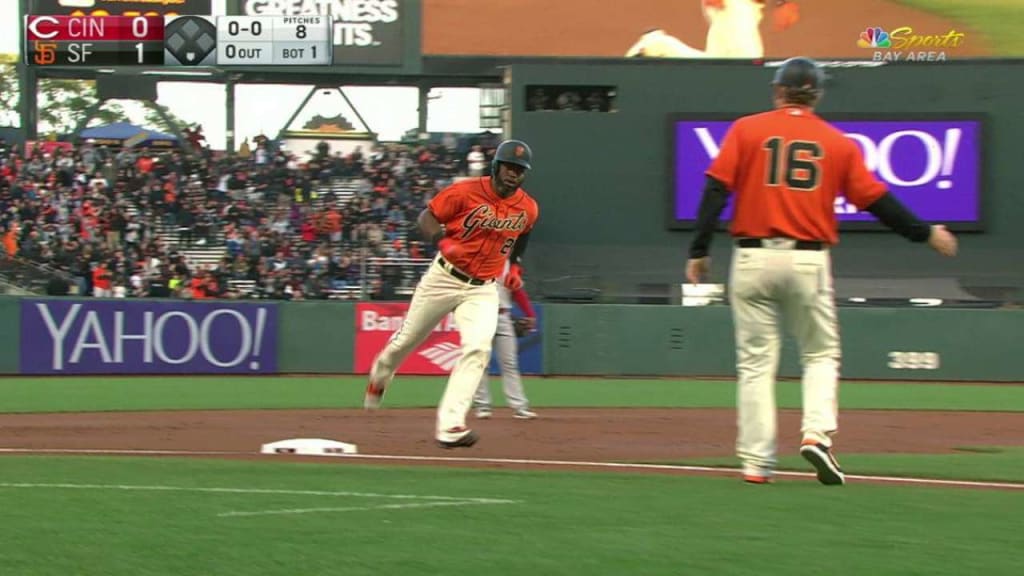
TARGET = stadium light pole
x,y
229,112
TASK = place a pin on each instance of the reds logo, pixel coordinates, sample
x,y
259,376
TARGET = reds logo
x,y
483,218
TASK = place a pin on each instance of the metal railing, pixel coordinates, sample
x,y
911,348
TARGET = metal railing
x,y
29,276
380,278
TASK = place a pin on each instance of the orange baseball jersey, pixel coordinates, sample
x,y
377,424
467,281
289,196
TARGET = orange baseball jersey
x,y
483,223
786,168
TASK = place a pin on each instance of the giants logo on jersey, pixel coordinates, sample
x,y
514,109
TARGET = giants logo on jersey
x,y
483,218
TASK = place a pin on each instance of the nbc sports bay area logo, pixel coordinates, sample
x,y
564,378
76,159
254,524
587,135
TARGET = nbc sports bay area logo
x,y
903,44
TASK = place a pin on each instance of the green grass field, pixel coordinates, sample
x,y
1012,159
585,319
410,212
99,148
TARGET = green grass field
x,y
983,463
172,516
163,393
1000,21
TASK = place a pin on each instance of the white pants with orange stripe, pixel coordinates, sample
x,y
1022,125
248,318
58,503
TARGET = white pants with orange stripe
x,y
770,288
476,317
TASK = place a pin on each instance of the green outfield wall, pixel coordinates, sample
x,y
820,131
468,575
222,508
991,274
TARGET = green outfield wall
x,y
9,336
67,336
877,343
316,337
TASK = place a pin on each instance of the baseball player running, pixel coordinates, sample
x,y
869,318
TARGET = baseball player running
x,y
656,43
786,167
734,31
507,348
734,26
477,224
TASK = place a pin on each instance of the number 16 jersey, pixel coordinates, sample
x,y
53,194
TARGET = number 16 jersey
x,y
786,167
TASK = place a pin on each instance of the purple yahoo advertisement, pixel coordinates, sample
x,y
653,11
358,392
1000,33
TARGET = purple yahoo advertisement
x,y
932,166
83,336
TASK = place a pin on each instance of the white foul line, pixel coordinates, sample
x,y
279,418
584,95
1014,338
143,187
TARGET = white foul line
x,y
426,501
126,452
274,491
466,502
687,468
528,462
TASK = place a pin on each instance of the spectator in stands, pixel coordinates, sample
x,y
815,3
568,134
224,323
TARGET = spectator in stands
x,y
101,281
476,161
162,285
275,220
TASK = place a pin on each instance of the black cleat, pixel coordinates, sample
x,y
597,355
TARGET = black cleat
x,y
820,456
465,442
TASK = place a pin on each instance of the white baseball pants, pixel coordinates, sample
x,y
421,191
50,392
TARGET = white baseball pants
x,y
771,287
476,316
507,348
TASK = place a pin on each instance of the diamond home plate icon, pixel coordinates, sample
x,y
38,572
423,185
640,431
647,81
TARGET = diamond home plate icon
x,y
190,41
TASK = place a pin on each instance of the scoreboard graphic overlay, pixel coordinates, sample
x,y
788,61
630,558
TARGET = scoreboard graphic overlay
x,y
177,40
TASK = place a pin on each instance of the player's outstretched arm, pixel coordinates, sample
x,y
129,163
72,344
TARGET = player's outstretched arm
x,y
892,213
430,228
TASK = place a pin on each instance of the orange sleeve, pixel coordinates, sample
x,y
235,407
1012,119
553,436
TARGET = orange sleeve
x,y
860,187
447,204
725,166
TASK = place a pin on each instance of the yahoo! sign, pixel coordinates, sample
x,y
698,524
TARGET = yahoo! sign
x,y
147,337
932,165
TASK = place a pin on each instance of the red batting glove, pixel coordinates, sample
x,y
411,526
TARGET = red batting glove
x,y
450,249
514,278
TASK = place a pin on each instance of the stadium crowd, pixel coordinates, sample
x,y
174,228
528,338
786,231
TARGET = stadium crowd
x,y
119,222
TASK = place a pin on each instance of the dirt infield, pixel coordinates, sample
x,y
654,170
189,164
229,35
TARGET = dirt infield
x,y
583,28
578,435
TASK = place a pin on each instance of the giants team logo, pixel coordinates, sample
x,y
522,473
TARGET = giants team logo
x,y
483,218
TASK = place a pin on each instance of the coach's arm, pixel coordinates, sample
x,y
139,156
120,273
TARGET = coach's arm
x,y
712,203
896,216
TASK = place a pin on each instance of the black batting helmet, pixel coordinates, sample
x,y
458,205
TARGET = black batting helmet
x,y
800,72
512,152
